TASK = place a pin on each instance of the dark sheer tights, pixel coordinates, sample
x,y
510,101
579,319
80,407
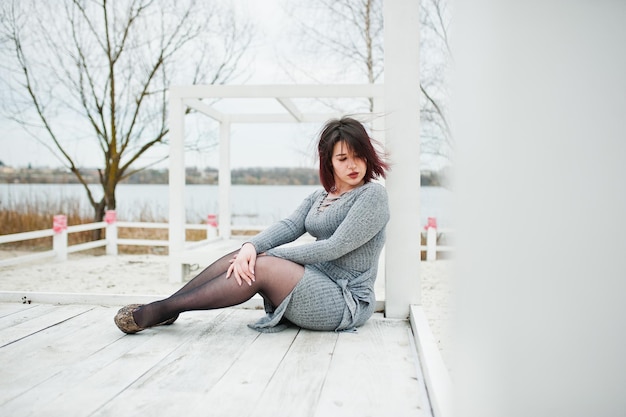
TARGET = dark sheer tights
x,y
275,279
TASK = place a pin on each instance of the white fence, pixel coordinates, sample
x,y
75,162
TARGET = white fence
x,y
433,235
60,232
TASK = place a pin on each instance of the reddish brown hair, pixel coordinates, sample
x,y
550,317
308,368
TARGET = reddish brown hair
x,y
354,135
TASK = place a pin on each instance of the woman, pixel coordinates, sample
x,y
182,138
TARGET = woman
x,y
323,285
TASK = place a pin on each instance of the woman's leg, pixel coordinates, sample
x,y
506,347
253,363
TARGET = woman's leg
x,y
212,271
275,279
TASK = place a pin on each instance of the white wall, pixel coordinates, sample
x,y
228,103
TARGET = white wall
x,y
541,132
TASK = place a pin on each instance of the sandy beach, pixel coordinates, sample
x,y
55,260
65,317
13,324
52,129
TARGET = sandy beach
x,y
148,275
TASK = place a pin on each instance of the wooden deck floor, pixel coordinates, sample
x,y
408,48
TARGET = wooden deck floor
x,y
71,360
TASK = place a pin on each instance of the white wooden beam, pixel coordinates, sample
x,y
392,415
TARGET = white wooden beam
x,y
279,118
291,107
436,375
204,108
280,90
403,144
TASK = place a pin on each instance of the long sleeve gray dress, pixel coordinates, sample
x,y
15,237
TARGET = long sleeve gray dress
x,y
337,289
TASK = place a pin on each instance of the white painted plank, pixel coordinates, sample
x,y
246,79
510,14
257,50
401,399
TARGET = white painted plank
x,y
28,363
29,321
27,258
16,237
58,298
256,302
277,90
373,373
208,363
74,363
181,380
282,118
204,108
291,107
295,388
7,309
89,384
16,315
238,391
436,373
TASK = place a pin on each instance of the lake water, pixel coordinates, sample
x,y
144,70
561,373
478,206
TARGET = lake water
x,y
251,204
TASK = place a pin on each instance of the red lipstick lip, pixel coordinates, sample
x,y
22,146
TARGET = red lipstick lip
x,y
353,174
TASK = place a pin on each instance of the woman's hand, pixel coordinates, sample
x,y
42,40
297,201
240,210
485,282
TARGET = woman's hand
x,y
242,265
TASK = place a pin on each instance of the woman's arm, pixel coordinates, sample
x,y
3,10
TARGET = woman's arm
x,y
367,216
286,230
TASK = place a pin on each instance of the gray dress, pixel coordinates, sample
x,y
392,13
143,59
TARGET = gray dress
x,y
337,289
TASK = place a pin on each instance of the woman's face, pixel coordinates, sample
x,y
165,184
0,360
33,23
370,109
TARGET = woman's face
x,y
348,169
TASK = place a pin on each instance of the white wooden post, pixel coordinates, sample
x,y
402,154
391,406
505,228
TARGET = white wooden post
x,y
431,239
176,188
59,240
110,217
378,133
224,180
402,284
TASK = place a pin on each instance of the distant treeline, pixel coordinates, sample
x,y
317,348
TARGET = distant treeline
x,y
248,176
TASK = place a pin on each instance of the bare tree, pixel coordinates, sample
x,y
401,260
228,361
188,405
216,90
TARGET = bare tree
x,y
435,61
99,71
350,33
347,33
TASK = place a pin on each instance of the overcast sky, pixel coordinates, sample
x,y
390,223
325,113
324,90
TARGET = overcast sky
x,y
264,145
252,145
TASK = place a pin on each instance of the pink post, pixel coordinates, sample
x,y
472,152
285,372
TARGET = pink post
x,y
211,222
110,217
431,239
59,240
59,223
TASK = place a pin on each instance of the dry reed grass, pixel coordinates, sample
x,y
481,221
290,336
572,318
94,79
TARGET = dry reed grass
x,y
31,215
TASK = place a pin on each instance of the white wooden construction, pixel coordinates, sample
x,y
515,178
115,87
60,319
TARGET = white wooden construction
x,y
398,100
193,96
